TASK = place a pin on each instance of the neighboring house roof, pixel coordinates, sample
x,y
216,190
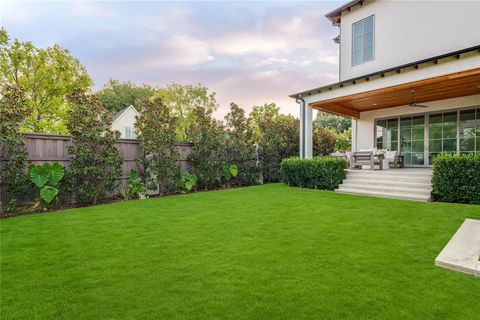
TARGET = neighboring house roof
x,y
119,114
382,73
336,15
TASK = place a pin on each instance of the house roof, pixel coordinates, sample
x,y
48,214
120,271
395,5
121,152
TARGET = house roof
x,y
336,15
381,73
119,114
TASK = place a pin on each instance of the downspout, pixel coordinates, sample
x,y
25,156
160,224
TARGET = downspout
x,y
301,102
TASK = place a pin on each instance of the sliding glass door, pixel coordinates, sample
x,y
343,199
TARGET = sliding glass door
x,y
442,131
419,138
412,140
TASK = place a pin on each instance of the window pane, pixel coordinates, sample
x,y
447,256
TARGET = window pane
x,y
467,144
368,54
368,25
357,29
435,118
435,145
435,131
357,57
417,133
368,40
357,44
417,146
449,131
449,145
450,117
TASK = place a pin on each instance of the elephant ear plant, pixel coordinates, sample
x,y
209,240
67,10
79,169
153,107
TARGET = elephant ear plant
x,y
229,173
46,177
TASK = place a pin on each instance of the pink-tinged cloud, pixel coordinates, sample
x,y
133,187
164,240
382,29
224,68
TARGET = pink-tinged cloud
x,y
249,53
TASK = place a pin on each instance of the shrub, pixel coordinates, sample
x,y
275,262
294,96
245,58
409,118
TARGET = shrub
x,y
156,128
318,173
134,189
240,148
187,182
13,154
208,154
96,164
46,178
456,178
324,141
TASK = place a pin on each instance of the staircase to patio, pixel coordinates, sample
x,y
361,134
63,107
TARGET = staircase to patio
x,y
403,183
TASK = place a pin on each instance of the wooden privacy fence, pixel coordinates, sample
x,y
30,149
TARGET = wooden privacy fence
x,y
53,148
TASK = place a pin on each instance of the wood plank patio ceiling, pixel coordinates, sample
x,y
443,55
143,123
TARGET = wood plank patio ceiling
x,y
459,84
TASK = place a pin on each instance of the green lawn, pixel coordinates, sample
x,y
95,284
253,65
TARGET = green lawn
x,y
264,252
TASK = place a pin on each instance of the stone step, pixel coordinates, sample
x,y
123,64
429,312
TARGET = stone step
x,y
371,182
397,173
387,189
398,179
384,194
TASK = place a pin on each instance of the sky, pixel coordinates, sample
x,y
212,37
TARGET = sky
x,y
248,52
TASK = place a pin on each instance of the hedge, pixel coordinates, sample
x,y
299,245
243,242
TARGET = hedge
x,y
456,178
318,173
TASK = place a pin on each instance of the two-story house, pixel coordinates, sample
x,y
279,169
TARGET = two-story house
x,y
409,78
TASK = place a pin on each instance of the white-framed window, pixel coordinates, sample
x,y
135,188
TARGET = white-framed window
x,y
130,133
363,40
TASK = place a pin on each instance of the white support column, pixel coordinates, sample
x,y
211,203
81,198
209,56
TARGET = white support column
x,y
354,135
306,145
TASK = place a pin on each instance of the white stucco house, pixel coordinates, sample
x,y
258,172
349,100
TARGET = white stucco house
x,y
124,122
409,78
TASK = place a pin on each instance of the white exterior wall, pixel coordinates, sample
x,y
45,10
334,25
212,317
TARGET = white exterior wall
x,y
408,31
364,130
127,119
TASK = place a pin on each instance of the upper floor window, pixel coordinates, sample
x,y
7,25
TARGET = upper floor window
x,y
363,41
130,133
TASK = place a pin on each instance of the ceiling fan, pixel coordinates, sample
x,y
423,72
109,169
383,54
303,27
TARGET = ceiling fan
x,y
413,104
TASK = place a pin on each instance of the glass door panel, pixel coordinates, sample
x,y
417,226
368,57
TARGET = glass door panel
x,y
412,140
442,132
387,134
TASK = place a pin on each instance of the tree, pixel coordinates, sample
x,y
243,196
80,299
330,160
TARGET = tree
x,y
95,163
207,157
116,95
13,154
324,141
240,149
329,121
344,141
182,100
276,136
156,127
46,76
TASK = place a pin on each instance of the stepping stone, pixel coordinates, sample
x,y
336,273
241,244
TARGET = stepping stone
x,y
462,252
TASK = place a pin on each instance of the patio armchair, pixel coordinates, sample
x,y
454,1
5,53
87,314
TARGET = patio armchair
x,y
394,159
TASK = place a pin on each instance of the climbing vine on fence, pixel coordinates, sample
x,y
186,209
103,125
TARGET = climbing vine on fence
x,y
13,154
95,164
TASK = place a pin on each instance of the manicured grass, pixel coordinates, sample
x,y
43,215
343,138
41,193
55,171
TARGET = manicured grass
x,y
264,252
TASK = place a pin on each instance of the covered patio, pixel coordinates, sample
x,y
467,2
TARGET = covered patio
x,y
406,98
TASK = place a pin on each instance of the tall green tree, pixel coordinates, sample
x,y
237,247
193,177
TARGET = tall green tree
x,y
13,154
46,76
330,121
116,95
182,100
276,136
95,163
208,155
156,127
239,145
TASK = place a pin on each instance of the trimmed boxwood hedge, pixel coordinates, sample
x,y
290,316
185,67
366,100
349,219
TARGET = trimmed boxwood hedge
x,y
456,178
318,173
